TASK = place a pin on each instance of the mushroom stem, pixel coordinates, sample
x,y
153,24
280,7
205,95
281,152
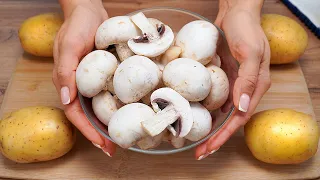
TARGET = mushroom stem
x,y
123,51
145,26
160,121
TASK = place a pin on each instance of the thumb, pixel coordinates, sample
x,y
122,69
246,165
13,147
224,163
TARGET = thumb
x,y
245,84
65,72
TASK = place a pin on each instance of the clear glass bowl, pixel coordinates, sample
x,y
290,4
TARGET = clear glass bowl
x,y
176,19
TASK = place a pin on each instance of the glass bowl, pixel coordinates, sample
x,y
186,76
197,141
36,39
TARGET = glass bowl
x,y
176,19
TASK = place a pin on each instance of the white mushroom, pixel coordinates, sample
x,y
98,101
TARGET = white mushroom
x,y
154,41
93,72
146,99
171,54
109,85
151,142
202,122
189,78
176,142
125,125
198,41
134,78
104,105
123,51
117,31
171,109
220,88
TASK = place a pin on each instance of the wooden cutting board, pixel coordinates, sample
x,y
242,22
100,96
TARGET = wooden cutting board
x,y
31,85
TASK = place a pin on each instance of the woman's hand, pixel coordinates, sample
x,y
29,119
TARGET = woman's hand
x,y
240,21
74,40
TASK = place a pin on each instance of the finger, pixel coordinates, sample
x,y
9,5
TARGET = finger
x,y
109,147
76,115
239,118
201,151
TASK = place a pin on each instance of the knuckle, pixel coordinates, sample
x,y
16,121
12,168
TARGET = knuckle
x,y
250,83
243,49
62,73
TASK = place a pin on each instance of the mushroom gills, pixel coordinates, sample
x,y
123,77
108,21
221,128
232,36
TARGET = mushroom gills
x,y
149,31
161,120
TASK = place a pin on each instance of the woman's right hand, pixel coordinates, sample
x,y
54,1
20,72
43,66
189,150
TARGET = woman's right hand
x,y
74,40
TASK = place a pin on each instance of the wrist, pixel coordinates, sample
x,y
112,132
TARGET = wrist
x,y
252,6
96,6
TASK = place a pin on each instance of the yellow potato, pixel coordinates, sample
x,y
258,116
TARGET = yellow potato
x,y
35,134
37,33
282,136
288,40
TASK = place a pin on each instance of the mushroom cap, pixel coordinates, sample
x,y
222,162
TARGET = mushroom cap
x,y
104,105
135,77
220,88
153,48
125,128
202,122
198,41
115,30
189,78
181,105
93,72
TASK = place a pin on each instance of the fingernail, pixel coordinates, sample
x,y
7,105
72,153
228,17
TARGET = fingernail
x,y
65,95
107,153
97,145
244,102
213,151
203,156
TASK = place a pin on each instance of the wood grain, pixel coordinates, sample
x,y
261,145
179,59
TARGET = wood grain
x,y
31,85
232,160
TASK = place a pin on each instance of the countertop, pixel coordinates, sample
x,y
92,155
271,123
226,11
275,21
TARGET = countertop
x,y
14,12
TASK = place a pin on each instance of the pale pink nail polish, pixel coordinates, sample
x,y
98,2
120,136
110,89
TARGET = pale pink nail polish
x,y
65,95
244,102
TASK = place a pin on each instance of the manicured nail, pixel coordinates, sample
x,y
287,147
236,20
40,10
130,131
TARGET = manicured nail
x,y
65,95
202,156
97,145
213,151
107,153
244,102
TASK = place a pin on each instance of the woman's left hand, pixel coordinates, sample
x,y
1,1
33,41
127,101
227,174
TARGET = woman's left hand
x,y
240,21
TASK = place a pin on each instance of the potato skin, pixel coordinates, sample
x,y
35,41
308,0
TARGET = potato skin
x,y
35,134
282,136
37,33
287,39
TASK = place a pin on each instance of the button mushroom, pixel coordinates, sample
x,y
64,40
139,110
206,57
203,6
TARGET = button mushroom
x,y
171,54
134,78
117,31
154,41
189,78
171,109
198,41
104,105
125,125
176,142
220,88
202,122
151,142
93,72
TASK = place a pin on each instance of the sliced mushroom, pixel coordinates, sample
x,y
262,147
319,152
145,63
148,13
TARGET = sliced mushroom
x,y
198,41
124,126
220,89
151,142
202,122
93,72
104,105
154,41
134,78
171,108
189,78
117,31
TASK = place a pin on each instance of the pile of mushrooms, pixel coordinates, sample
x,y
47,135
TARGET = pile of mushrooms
x,y
154,86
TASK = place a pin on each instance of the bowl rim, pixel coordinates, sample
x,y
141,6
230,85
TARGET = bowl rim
x,y
174,150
